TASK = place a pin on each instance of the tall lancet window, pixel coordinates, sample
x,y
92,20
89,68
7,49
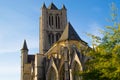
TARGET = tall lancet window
x,y
57,19
52,74
62,73
51,21
75,69
51,38
58,36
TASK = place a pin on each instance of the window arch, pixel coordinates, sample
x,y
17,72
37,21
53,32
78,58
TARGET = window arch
x,y
58,36
75,70
57,19
51,38
62,73
51,21
52,74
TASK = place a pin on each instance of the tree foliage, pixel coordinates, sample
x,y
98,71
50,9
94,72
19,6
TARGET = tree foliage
x,y
105,62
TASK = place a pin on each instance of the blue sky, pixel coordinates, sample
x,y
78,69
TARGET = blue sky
x,y
19,20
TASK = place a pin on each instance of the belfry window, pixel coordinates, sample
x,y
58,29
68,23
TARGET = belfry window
x,y
57,19
51,39
51,21
58,36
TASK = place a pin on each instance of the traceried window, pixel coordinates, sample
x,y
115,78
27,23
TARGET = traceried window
x,y
75,69
57,19
52,74
58,36
51,21
62,73
51,38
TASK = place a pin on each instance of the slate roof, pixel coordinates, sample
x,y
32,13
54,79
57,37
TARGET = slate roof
x,y
69,34
52,6
24,46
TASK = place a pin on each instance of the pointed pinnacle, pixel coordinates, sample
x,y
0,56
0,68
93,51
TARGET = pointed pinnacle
x,y
24,46
44,6
63,7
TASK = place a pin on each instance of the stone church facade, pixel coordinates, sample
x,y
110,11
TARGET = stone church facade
x,y
61,49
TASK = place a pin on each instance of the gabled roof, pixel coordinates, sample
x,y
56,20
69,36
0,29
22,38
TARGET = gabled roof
x,y
52,6
69,34
24,46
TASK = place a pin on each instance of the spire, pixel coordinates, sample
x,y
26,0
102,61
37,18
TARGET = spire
x,y
63,7
44,6
24,46
52,6
69,34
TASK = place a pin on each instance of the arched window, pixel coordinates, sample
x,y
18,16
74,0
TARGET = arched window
x,y
57,19
58,22
62,73
52,74
75,71
51,21
58,36
51,38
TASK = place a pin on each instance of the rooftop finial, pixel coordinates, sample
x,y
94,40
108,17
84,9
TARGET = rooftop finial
x,y
44,6
63,7
24,46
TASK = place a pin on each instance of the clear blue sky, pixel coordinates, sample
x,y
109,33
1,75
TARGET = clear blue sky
x,y
19,20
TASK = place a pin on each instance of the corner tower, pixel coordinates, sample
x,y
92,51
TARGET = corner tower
x,y
52,24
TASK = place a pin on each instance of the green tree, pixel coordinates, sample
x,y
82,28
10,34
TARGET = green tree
x,y
105,62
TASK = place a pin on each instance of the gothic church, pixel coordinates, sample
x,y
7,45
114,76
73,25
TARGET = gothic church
x,y
61,49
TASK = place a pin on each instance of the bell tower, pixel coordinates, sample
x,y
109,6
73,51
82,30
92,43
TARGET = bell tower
x,y
52,24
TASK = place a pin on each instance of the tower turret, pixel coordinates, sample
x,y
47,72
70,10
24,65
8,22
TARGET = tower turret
x,y
24,53
24,58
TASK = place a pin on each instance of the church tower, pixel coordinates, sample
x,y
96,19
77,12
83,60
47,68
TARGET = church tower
x,y
52,24
61,49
